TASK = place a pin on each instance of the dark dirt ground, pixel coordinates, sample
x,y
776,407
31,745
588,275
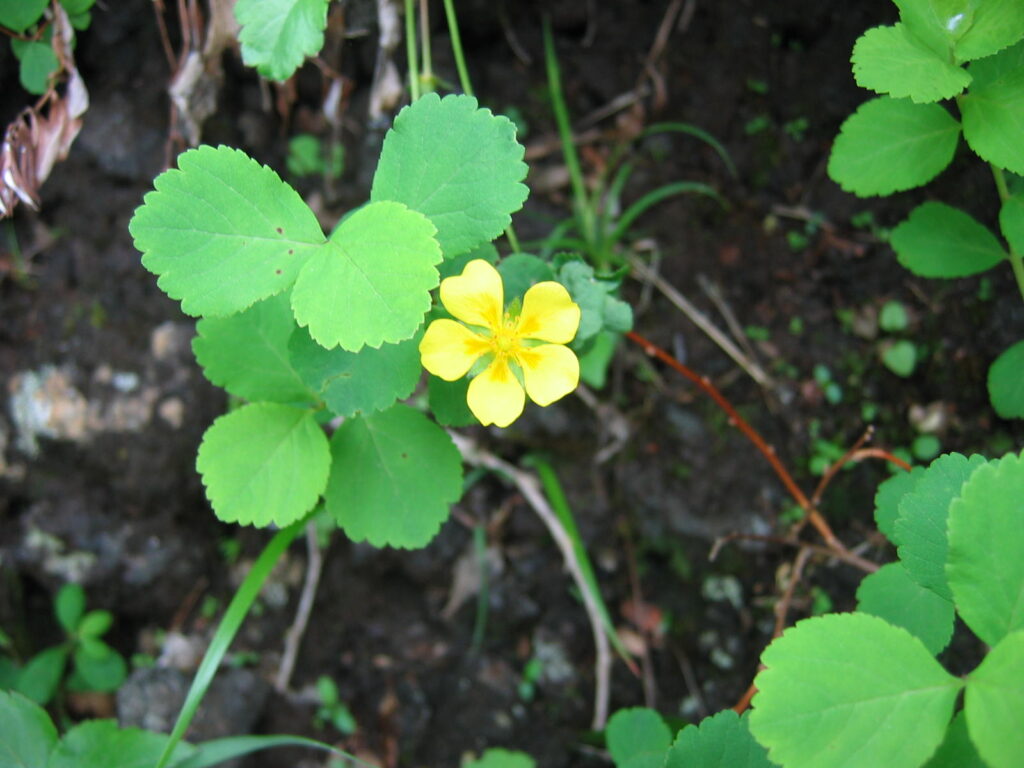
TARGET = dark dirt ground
x,y
113,499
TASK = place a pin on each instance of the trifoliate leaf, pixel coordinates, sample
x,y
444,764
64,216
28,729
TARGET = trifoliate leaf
x,y
459,165
277,35
448,402
599,308
889,145
923,512
19,15
223,231
520,271
994,703
893,61
69,606
38,62
357,382
637,737
247,353
986,550
101,744
371,283
27,735
1006,384
937,23
995,24
993,109
937,240
264,463
393,478
889,593
956,750
851,685
888,497
722,741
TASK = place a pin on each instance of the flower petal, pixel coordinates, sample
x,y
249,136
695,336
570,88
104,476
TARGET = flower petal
x,y
449,350
475,296
495,396
550,371
549,314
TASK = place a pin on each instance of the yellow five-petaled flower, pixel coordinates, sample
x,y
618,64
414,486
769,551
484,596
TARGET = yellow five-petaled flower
x,y
524,350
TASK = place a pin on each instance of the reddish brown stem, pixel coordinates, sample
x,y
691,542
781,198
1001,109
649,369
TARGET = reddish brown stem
x,y
880,453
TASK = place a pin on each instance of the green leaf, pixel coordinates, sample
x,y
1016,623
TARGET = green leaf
x,y
277,35
223,231
218,751
722,741
520,271
893,317
77,7
993,109
454,266
888,497
1011,222
101,744
957,750
594,362
357,382
27,735
986,550
921,525
19,15
994,703
247,353
458,165
69,605
95,623
937,240
889,145
937,23
599,307
996,24
893,61
95,672
371,283
38,62
448,402
889,593
501,758
854,686
900,357
634,735
38,680
264,463
393,477
1006,383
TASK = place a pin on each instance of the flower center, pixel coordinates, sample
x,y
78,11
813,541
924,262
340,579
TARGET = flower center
x,y
505,341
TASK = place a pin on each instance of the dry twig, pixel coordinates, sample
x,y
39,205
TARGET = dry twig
x,y
293,637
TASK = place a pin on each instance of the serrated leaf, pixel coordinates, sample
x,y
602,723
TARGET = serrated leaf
x,y
448,402
993,109
889,145
357,382
69,605
223,231
892,61
889,593
38,62
371,283
887,499
995,25
247,353
851,685
722,741
277,35
1011,222
19,15
921,525
956,750
986,550
937,23
994,703
459,165
101,744
393,477
520,271
636,734
27,735
937,240
264,463
1006,383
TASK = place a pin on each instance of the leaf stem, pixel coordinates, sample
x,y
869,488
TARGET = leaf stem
x,y
410,51
1016,261
460,60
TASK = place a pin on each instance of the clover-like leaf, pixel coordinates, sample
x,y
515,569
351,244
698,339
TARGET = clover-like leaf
x,y
994,703
993,109
27,735
277,35
247,353
19,15
921,525
357,382
371,283
637,738
893,61
457,164
957,750
1005,383
995,24
937,240
887,499
852,685
393,478
889,593
264,463
889,145
721,741
986,550
223,231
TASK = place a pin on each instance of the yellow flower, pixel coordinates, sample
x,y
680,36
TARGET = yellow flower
x,y
513,346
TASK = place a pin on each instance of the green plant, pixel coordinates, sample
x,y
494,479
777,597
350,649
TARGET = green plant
x,y
31,30
95,666
307,157
970,53
332,709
